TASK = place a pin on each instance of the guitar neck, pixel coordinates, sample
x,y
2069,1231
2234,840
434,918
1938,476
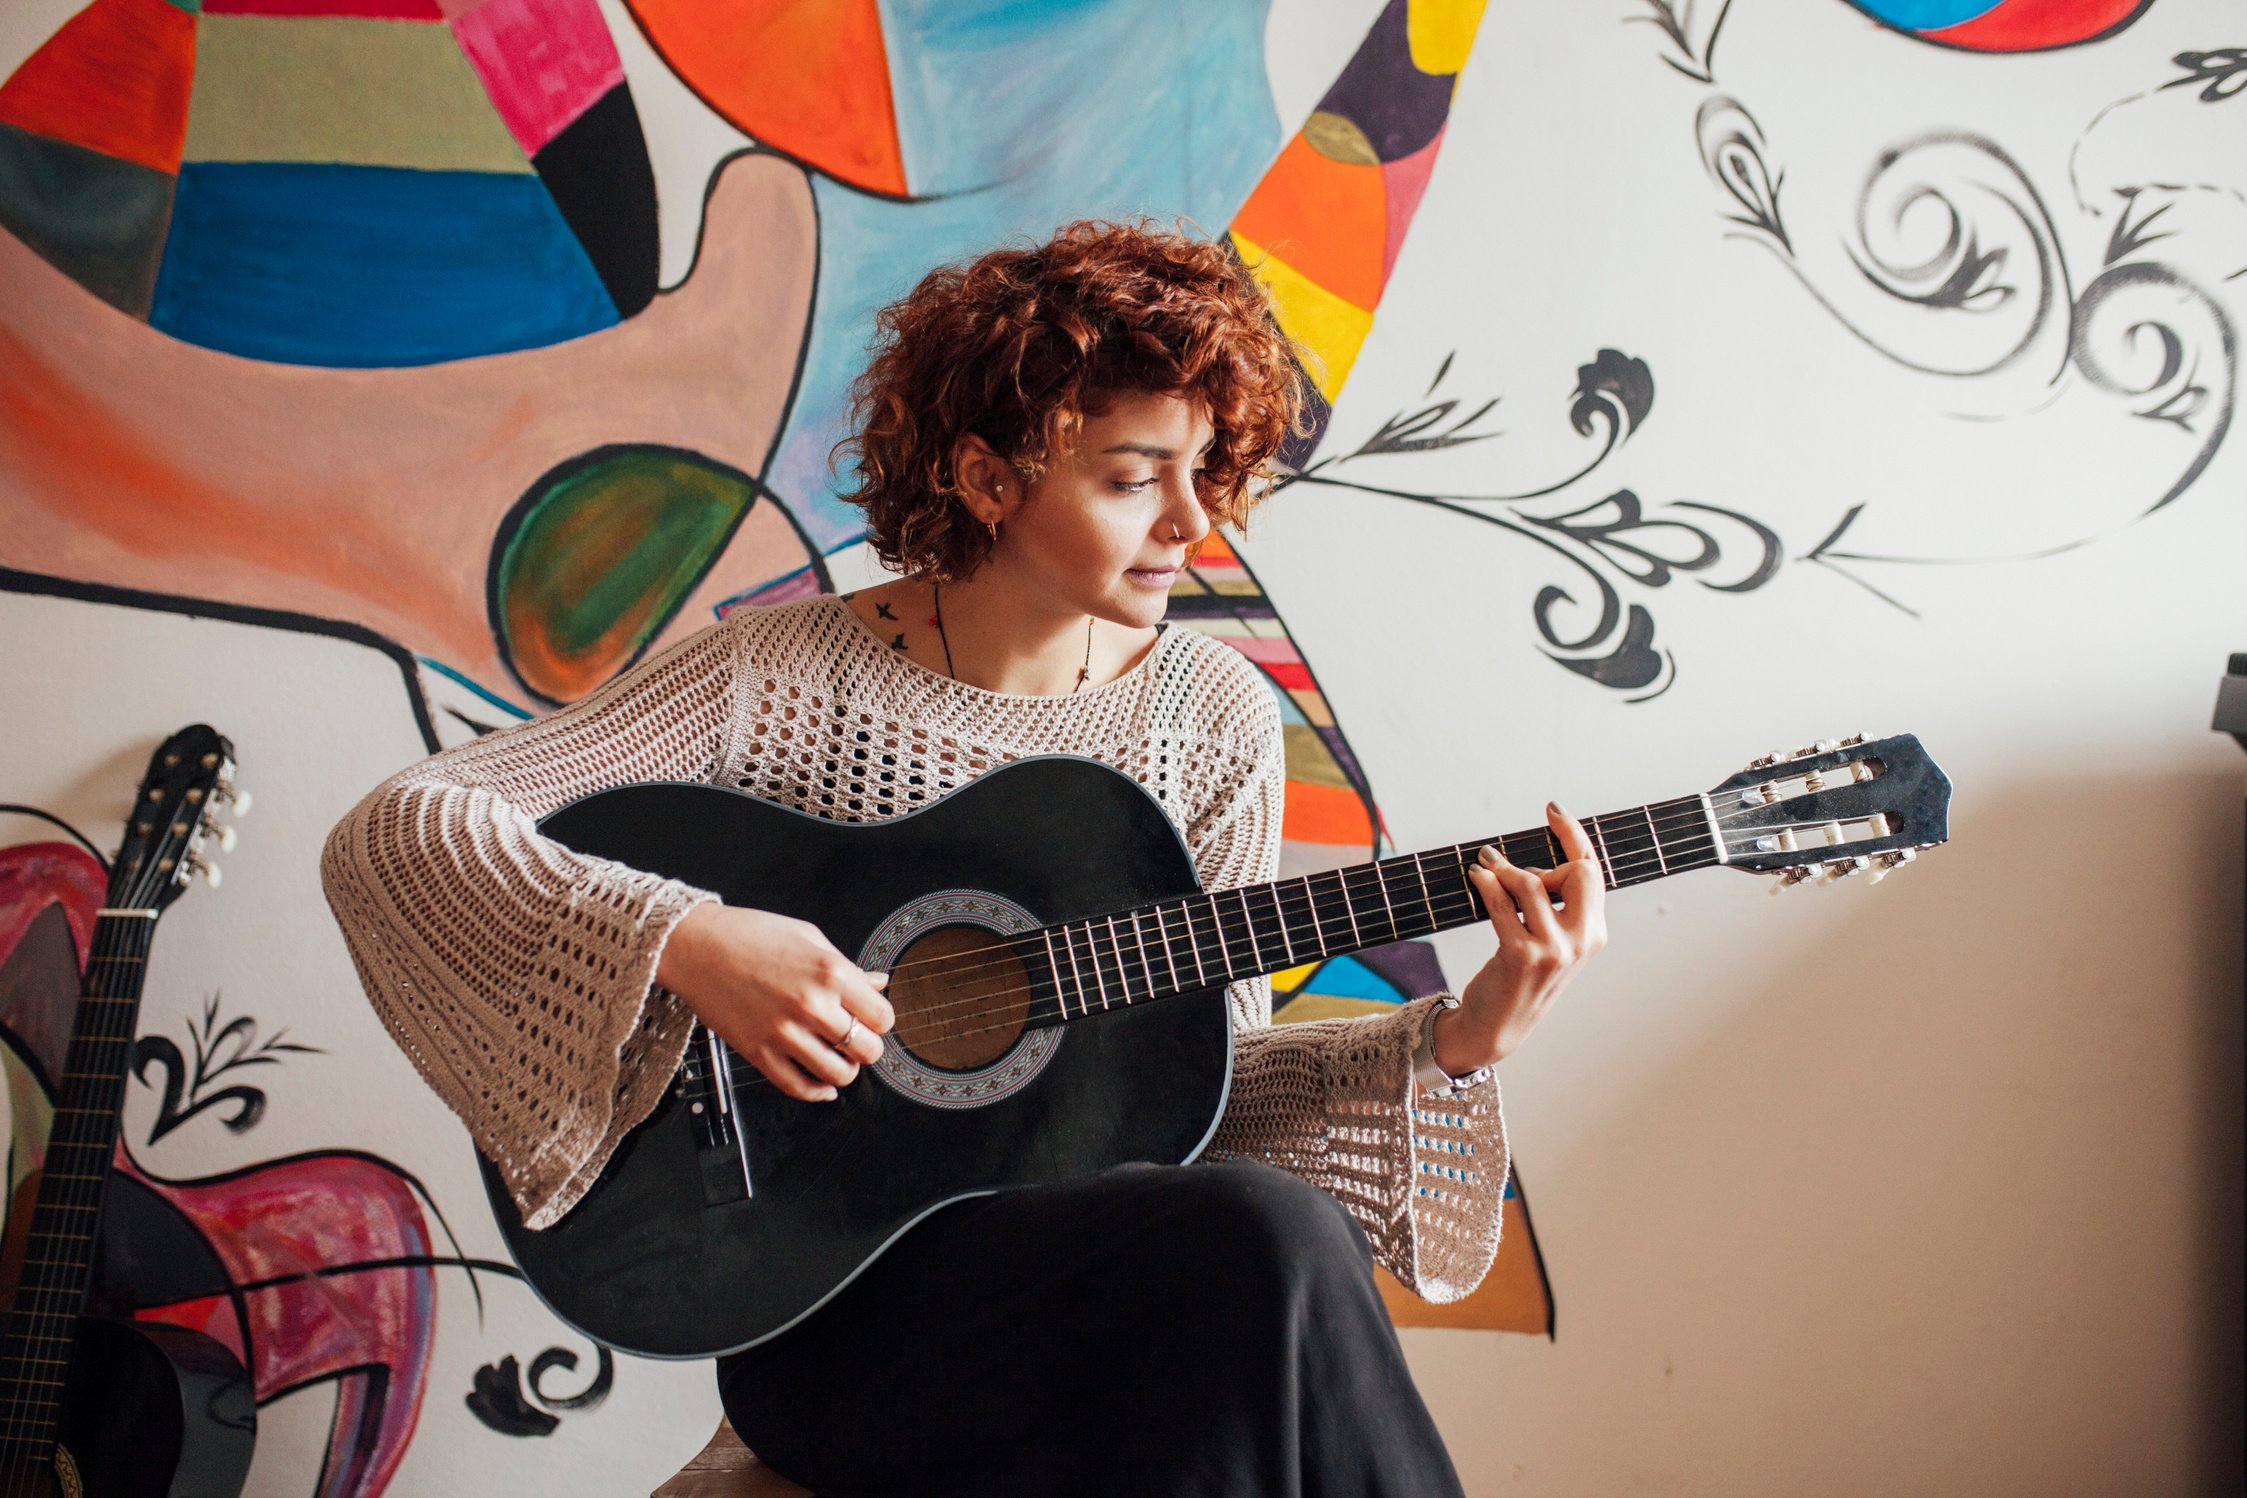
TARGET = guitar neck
x,y
1224,936
59,1251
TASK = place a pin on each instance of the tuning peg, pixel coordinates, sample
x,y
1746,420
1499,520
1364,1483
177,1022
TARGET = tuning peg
x,y
223,834
212,873
1790,879
239,800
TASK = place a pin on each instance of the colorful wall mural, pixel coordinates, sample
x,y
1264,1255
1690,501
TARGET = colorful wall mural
x,y
481,346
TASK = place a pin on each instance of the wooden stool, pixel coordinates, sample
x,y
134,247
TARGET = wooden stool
x,y
727,1469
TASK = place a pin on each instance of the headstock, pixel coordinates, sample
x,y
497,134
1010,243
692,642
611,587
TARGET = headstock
x,y
1832,809
175,813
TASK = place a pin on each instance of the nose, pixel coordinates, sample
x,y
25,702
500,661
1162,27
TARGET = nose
x,y
1184,514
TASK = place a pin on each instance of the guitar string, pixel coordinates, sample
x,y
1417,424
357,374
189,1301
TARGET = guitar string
x,y
754,1077
1281,893
1008,952
1675,818
1670,821
39,1303
1457,903
116,941
986,1008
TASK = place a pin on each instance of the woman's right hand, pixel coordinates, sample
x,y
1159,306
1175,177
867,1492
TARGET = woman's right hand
x,y
776,990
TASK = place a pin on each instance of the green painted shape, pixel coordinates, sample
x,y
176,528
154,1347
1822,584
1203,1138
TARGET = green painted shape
x,y
98,220
603,557
342,89
192,7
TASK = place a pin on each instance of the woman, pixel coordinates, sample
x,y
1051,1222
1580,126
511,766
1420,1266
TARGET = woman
x,y
1043,438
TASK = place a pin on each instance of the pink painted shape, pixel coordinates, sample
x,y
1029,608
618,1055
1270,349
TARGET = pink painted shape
x,y
369,1329
1266,652
364,10
1404,181
801,583
34,876
543,62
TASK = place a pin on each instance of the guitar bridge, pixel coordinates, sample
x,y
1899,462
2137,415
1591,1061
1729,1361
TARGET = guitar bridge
x,y
706,1086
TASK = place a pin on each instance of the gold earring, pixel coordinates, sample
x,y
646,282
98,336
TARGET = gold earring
x,y
993,527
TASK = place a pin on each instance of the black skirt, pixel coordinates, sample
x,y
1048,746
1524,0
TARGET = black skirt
x,y
1208,1329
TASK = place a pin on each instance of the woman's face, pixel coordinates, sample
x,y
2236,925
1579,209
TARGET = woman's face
x,y
1106,528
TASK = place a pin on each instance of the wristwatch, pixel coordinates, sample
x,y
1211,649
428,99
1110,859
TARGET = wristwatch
x,y
1431,1076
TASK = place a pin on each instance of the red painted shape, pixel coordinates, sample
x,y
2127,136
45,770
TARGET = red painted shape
x,y
291,1232
543,62
2036,25
34,876
114,79
809,80
213,1316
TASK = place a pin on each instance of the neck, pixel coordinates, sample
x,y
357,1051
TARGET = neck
x,y
1005,638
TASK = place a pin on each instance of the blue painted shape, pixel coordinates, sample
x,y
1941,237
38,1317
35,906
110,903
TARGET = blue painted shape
x,y
1348,978
367,266
1289,712
1925,15
1163,119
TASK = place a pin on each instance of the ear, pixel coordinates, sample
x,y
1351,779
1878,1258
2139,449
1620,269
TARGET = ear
x,y
987,483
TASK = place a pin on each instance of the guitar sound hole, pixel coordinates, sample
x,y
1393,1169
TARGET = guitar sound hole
x,y
962,996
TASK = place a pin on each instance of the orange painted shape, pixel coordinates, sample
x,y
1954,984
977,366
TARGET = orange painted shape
x,y
807,77
114,79
1326,218
1325,814
1513,1297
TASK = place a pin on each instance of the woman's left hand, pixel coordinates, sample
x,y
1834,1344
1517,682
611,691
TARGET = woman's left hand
x,y
1541,946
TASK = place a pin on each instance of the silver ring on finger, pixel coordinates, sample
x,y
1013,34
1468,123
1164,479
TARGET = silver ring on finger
x,y
844,1043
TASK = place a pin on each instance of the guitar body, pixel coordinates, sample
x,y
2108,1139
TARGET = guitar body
x,y
687,1248
156,1411
148,1411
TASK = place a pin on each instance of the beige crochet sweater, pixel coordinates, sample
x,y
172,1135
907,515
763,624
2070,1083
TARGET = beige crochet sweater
x,y
518,975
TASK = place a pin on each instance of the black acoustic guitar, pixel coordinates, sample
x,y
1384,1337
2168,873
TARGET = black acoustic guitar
x,y
1058,979
119,1409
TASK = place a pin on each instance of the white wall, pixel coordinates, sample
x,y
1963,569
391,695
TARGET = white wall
x,y
1928,1188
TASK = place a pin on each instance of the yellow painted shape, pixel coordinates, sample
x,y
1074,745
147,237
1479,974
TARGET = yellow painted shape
x,y
1309,759
345,90
1332,329
1287,980
1440,32
1311,1006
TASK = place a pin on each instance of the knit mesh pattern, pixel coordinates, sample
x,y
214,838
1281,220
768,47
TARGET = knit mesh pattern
x,y
518,976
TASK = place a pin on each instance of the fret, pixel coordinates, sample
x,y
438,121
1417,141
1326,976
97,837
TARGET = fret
x,y
1279,918
1255,948
1606,859
1193,942
1217,928
1139,939
1380,877
1123,974
1656,834
1427,901
1162,929
1076,974
1350,909
1092,955
1053,966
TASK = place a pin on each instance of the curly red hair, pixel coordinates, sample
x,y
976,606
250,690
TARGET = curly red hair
x,y
1018,346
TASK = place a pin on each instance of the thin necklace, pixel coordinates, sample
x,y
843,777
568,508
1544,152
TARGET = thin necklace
x,y
936,593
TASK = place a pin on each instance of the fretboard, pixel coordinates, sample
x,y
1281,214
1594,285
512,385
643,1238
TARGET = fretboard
x,y
59,1251
1224,936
